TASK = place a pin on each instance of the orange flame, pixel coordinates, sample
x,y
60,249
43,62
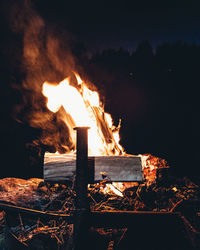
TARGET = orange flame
x,y
83,108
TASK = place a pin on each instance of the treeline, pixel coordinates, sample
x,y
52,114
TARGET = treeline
x,y
156,94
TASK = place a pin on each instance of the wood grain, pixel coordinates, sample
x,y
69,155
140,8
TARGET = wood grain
x,y
115,168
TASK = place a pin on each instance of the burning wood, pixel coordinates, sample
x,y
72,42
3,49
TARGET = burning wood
x,y
120,186
83,108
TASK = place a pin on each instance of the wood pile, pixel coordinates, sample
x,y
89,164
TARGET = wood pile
x,y
166,194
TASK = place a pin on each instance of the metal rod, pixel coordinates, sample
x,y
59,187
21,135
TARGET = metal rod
x,y
17,209
81,182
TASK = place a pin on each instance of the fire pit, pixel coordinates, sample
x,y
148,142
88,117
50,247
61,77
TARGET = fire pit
x,y
161,212
95,196
85,219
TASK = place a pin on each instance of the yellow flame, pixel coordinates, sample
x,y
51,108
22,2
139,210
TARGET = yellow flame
x,y
79,80
83,108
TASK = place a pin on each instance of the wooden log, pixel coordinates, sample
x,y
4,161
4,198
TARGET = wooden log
x,y
114,168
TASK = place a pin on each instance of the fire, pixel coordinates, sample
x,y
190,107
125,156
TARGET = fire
x,y
83,108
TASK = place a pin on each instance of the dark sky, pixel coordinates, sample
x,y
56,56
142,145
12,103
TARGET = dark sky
x,y
102,24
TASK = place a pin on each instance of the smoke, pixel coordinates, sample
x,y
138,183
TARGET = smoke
x,y
46,56
46,51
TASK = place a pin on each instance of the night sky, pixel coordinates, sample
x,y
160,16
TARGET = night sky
x,y
159,118
103,24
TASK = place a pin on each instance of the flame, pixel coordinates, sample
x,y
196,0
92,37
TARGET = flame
x,y
79,80
83,108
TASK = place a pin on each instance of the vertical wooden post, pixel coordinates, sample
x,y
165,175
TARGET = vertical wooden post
x,y
81,182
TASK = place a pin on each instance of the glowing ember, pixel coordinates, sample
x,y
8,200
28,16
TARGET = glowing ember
x,y
83,108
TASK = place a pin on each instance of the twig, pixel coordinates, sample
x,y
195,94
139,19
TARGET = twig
x,y
21,222
54,235
122,236
18,239
110,245
172,209
39,222
61,236
92,198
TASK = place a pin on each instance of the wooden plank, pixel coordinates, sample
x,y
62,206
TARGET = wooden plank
x,y
59,167
116,168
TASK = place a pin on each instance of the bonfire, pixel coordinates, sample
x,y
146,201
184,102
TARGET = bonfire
x,y
44,211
